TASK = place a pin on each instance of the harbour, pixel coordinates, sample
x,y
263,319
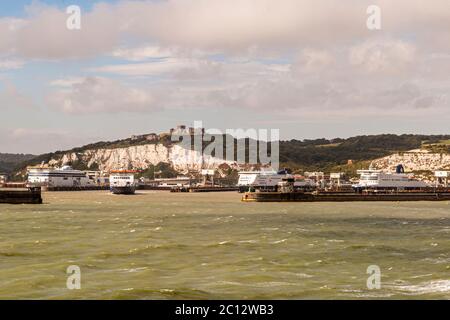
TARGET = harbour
x,y
204,189
258,186
233,154
161,245
372,185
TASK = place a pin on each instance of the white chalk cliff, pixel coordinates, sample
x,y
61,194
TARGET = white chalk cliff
x,y
141,157
415,160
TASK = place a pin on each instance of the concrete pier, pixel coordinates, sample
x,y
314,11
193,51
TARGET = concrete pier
x,y
343,197
20,195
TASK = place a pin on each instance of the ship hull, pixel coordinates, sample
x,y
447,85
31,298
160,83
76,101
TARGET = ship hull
x,y
347,197
123,190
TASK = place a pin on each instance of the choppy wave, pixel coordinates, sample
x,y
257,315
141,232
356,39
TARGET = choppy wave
x,y
435,286
279,241
18,254
168,293
438,260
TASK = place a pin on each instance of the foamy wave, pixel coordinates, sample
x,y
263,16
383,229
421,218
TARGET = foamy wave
x,y
248,241
435,286
279,241
438,260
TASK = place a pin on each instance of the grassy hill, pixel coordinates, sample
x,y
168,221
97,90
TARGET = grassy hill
x,y
9,162
322,154
305,155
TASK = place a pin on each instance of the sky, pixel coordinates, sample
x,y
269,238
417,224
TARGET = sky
x,y
310,68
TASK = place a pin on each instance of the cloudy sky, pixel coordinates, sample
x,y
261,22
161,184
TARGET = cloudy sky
x,y
310,68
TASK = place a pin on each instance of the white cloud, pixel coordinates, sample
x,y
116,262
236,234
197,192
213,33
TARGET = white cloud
x,y
156,68
11,64
40,140
142,53
301,56
67,82
11,98
198,69
43,35
319,79
101,95
313,60
383,56
225,26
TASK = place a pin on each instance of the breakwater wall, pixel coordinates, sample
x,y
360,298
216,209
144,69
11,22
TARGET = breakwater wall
x,y
344,197
20,195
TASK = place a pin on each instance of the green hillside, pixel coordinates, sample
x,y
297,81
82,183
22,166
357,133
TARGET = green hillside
x,y
303,155
9,162
323,154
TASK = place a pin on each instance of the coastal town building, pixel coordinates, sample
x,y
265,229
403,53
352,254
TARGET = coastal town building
x,y
179,181
152,137
98,178
442,178
336,178
148,137
318,178
3,178
182,129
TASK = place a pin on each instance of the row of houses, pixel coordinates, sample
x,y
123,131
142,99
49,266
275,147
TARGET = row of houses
x,y
180,129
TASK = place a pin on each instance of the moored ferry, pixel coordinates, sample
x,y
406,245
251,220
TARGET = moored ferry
x,y
122,181
265,180
65,176
378,180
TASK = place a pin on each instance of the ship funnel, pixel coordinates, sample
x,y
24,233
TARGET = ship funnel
x,y
285,171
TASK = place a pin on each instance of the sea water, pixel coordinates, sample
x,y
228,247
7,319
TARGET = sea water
x,y
161,245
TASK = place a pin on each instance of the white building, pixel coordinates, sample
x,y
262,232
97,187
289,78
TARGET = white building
x,y
58,177
98,178
442,178
173,182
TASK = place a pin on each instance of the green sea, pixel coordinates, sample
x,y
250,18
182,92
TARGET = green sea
x,y
161,245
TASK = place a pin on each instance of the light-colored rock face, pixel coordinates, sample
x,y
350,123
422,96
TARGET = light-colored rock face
x,y
141,157
414,161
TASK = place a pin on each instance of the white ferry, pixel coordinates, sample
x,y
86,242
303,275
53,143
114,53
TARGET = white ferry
x,y
57,177
122,182
266,180
379,180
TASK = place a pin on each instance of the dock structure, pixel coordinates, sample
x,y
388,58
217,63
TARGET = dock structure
x,y
204,189
21,195
343,197
75,188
